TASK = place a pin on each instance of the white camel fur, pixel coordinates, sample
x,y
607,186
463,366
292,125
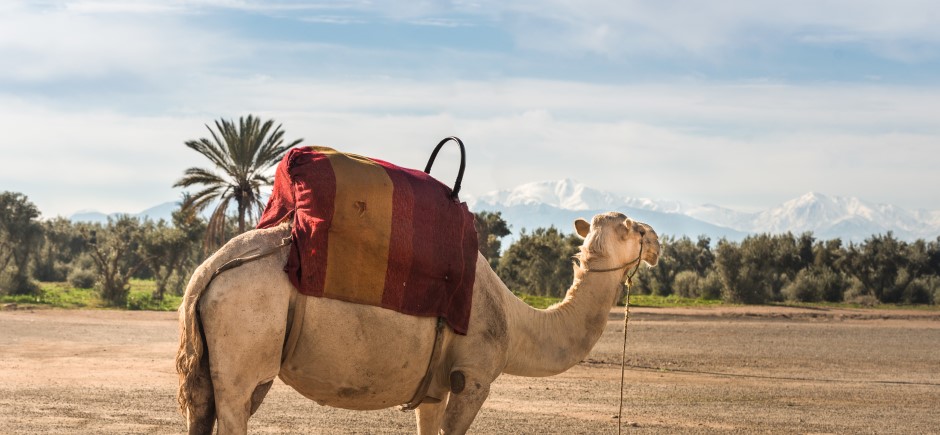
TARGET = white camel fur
x,y
361,357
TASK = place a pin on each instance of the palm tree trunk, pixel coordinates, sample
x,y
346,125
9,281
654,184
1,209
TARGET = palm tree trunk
x,y
241,217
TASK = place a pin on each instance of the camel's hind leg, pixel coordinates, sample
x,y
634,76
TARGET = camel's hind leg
x,y
245,322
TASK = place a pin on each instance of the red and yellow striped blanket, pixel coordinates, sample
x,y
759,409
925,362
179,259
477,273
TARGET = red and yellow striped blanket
x,y
370,232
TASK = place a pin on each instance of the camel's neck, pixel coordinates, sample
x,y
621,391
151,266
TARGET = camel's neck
x,y
550,341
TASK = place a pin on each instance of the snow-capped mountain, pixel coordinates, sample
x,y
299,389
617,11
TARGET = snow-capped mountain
x,y
161,211
851,219
559,203
565,194
848,218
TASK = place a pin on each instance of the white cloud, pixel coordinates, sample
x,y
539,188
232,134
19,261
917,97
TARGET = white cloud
x,y
751,146
64,44
86,33
332,19
746,109
72,160
683,28
122,6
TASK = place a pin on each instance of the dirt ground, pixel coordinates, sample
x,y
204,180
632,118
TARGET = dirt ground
x,y
701,370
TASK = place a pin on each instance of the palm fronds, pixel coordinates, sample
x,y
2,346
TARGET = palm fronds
x,y
241,155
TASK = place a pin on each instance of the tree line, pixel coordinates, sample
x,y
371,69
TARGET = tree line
x,y
760,269
94,255
763,268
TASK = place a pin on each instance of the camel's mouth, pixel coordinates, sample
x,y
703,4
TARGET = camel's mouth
x,y
651,260
651,247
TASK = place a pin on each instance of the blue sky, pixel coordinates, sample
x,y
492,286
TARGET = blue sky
x,y
740,103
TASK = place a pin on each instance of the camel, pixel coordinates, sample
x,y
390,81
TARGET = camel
x,y
359,357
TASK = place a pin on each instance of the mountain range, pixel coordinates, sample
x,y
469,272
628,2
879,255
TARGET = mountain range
x,y
161,211
559,203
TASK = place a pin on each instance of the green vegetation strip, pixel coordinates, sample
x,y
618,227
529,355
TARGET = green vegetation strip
x,y
916,307
63,295
652,301
672,301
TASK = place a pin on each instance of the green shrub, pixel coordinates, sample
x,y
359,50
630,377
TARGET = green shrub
x,y
15,284
805,288
816,284
176,285
857,294
49,271
140,297
687,284
710,286
139,301
922,290
82,278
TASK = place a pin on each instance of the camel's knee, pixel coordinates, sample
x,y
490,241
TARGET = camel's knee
x,y
258,396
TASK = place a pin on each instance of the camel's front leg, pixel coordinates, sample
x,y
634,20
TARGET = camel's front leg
x,y
463,407
429,416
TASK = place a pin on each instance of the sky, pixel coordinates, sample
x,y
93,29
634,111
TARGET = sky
x,y
744,104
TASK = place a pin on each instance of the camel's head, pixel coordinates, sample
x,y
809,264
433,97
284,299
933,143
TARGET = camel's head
x,y
617,239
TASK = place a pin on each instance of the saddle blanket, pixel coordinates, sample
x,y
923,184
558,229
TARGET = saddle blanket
x,y
370,232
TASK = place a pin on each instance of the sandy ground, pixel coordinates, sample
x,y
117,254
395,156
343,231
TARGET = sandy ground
x,y
709,370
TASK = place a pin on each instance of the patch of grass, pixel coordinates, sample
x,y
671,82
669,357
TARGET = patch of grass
x,y
540,302
141,297
671,301
879,306
58,295
63,295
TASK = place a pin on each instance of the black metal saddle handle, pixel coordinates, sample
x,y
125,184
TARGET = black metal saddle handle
x,y
463,162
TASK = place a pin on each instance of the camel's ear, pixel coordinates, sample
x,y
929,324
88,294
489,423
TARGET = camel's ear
x,y
624,230
582,227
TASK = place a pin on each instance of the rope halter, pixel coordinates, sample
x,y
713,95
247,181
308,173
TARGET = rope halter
x,y
629,276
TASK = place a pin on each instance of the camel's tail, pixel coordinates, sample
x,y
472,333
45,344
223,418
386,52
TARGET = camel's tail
x,y
195,390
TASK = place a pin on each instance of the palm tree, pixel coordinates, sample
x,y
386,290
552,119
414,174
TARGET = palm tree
x,y
242,153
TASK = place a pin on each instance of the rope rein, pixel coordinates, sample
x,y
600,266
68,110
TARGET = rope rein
x,y
628,283
623,353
